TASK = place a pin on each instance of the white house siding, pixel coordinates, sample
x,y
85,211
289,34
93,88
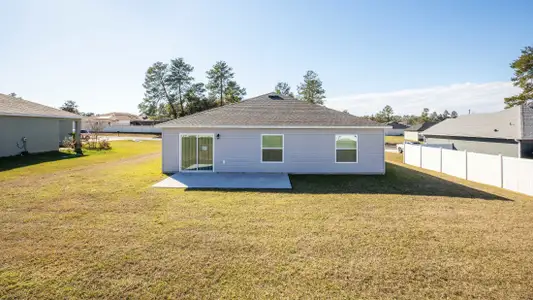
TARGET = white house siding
x,y
394,132
309,151
411,135
42,134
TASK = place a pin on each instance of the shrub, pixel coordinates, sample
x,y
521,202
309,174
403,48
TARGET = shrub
x,y
104,144
68,142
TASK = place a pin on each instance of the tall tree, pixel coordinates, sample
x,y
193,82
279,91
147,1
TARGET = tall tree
x,y
158,95
425,115
311,89
283,88
14,95
234,93
70,106
179,79
523,78
454,114
218,79
385,115
445,114
434,117
196,99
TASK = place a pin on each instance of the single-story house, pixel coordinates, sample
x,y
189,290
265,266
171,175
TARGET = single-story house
x,y
508,132
32,127
273,134
397,129
413,133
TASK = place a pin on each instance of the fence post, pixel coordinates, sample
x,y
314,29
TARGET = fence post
x,y
404,151
420,162
466,165
501,170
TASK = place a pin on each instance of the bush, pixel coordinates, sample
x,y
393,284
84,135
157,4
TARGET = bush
x,y
104,144
68,142
101,144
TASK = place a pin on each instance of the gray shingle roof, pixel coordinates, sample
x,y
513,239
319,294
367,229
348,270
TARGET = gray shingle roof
x,y
10,106
504,125
265,111
396,125
421,126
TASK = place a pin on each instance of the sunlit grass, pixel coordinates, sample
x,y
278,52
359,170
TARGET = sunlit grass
x,y
394,139
102,231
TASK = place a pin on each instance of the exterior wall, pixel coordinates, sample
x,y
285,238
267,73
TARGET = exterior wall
x,y
65,129
394,132
487,146
411,135
42,134
310,151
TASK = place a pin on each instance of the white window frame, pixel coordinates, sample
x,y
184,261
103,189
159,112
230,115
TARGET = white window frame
x,y
356,149
273,148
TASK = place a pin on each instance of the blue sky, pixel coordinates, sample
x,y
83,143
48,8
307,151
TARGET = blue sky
x,y
409,54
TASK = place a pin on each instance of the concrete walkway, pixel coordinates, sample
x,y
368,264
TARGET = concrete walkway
x,y
226,181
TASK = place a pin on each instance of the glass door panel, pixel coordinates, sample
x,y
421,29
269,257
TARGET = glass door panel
x,y
188,152
205,153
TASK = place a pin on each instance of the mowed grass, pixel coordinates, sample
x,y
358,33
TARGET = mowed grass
x,y
394,139
66,160
103,232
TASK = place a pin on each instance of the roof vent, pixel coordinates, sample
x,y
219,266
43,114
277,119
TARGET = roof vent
x,y
275,97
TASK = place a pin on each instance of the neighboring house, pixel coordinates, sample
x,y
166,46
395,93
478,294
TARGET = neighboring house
x,y
508,132
396,130
121,123
110,119
273,133
413,133
42,127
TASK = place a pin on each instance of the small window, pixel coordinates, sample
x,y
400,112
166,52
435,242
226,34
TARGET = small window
x,y
272,148
346,148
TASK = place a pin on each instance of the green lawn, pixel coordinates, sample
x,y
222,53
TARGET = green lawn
x,y
93,227
394,140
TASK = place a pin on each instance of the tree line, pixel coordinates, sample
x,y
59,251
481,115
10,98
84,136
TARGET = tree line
x,y
172,92
386,115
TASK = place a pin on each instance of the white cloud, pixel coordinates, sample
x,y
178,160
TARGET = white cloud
x,y
478,97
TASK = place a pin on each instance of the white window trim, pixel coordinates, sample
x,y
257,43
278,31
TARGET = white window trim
x,y
356,149
273,148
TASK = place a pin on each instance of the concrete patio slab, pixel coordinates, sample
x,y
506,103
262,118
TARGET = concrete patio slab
x,y
226,181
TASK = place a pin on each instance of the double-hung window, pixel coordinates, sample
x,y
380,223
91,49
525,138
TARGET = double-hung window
x,y
272,148
345,148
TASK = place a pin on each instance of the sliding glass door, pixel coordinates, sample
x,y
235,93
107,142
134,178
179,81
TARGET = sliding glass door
x,y
197,152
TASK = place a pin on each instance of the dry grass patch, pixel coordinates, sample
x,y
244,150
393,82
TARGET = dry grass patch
x,y
98,232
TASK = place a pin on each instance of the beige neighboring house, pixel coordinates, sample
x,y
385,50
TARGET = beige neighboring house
x,y
110,119
30,126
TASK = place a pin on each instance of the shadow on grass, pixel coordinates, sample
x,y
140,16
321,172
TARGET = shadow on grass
x,y
13,162
398,180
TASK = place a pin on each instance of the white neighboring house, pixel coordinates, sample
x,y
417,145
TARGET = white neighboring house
x,y
397,129
276,134
33,127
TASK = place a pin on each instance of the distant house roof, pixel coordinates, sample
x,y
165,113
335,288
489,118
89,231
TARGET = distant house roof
x,y
512,123
117,116
421,126
271,110
396,125
15,107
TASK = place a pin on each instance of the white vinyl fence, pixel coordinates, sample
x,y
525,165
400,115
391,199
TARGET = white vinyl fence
x,y
510,173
